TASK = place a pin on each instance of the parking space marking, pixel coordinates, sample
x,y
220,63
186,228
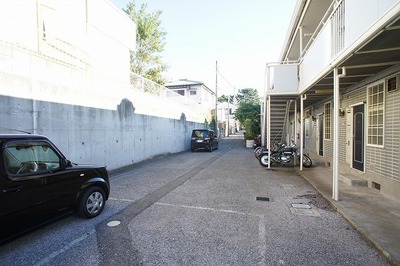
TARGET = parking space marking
x,y
127,200
202,208
262,240
48,259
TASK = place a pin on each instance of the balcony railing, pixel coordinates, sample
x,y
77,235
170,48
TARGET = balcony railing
x,y
338,29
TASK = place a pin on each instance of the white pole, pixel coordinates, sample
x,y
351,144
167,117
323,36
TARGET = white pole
x,y
303,97
268,124
335,181
264,118
295,123
216,98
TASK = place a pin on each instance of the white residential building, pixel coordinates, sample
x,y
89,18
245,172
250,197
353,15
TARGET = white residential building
x,y
226,119
336,89
196,91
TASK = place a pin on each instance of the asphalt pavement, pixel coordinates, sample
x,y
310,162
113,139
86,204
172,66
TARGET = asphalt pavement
x,y
375,216
217,208
224,208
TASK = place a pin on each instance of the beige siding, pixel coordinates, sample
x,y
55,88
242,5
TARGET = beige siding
x,y
386,160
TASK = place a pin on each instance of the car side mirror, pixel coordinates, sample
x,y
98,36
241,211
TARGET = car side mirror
x,y
66,163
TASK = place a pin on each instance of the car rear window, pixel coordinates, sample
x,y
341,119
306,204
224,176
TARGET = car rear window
x,y
200,134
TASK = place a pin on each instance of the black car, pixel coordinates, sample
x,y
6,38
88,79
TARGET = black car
x,y
38,185
203,139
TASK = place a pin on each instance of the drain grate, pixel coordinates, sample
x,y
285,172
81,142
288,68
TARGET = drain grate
x,y
263,198
303,209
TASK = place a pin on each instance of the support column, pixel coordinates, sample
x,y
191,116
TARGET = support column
x,y
269,129
335,181
303,97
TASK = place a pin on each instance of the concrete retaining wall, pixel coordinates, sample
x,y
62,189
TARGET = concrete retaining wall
x,y
114,138
90,117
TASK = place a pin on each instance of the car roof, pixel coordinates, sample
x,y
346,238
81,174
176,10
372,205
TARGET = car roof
x,y
202,129
21,136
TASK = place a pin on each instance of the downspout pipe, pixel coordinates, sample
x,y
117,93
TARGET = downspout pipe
x,y
264,117
336,83
267,116
303,97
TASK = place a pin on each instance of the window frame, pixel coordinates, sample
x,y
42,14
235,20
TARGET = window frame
x,y
376,114
34,159
327,121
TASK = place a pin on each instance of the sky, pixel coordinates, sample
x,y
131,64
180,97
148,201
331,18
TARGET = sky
x,y
235,37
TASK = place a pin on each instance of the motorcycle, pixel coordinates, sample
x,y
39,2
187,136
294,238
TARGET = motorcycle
x,y
284,156
260,149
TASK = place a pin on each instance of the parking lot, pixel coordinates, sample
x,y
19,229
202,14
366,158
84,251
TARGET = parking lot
x,y
201,208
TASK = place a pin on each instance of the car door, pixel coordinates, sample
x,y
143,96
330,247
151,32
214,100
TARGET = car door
x,y
34,186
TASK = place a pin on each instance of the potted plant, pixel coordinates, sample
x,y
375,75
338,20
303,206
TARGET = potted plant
x,y
250,132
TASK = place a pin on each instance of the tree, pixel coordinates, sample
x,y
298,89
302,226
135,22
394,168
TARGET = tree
x,y
248,112
226,98
247,95
150,42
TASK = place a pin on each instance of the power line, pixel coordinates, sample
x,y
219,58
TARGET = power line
x,y
225,80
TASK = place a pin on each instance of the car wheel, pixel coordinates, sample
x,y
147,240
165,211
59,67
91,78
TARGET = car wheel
x,y
91,203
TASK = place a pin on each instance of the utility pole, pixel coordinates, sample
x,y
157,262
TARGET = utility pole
x,y
216,98
227,120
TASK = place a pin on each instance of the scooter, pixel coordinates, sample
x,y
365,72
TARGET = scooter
x,y
284,156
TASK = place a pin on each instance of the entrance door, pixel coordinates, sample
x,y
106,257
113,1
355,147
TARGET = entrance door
x,y
358,137
321,135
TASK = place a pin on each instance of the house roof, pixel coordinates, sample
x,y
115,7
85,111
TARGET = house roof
x,y
185,83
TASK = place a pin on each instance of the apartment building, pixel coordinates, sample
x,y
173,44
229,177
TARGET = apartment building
x,y
336,89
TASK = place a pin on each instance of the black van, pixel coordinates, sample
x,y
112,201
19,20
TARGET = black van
x,y
203,139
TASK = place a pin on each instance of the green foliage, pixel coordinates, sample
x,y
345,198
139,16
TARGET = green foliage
x,y
212,124
226,98
247,95
248,112
150,42
206,123
252,128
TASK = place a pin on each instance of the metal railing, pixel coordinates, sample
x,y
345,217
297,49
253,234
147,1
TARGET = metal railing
x,y
338,29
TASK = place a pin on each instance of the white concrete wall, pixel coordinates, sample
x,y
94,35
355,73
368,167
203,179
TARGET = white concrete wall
x,y
110,37
361,15
92,34
283,79
317,60
112,137
64,73
24,31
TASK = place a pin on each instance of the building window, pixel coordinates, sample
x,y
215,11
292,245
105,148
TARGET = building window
x,y
392,84
376,105
193,92
327,119
180,92
307,128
